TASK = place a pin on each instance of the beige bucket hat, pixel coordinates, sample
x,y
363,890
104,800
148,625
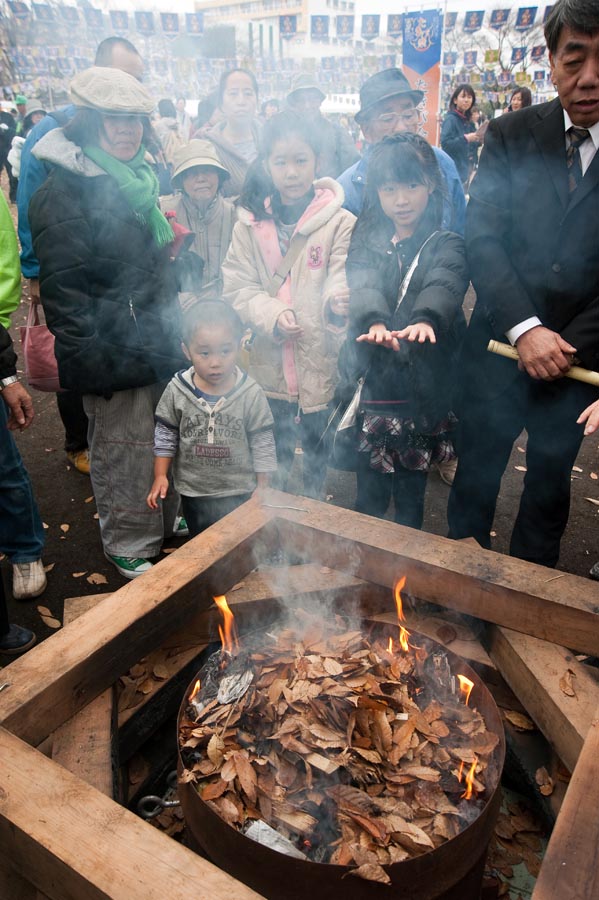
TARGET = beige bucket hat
x,y
111,91
197,153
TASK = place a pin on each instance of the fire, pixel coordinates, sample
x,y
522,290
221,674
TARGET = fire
x,y
465,687
467,795
196,690
227,632
404,634
390,645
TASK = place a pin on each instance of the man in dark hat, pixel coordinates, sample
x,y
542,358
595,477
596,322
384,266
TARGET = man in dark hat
x,y
337,150
389,105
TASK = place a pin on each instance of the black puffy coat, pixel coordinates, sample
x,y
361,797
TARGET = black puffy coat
x,y
374,272
107,290
453,141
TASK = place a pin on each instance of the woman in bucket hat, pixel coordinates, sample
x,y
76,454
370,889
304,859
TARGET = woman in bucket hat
x,y
198,177
110,299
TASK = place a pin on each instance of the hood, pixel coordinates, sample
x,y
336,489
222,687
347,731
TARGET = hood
x,y
54,148
329,198
183,383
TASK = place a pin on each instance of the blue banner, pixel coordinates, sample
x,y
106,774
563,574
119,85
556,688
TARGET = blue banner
x,y
518,54
539,75
499,18
546,13
537,52
473,20
18,9
387,61
450,59
43,12
345,27
371,26
525,18
93,17
470,58
144,22
395,25
194,23
422,40
70,14
119,19
170,23
450,21
319,27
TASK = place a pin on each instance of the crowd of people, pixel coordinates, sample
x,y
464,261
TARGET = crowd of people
x,y
222,290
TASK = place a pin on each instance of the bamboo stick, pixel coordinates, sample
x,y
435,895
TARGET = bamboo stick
x,y
577,373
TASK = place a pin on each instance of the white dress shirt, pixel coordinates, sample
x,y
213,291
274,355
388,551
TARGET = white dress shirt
x,y
587,151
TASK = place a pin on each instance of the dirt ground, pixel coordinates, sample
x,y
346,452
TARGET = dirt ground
x,y
73,549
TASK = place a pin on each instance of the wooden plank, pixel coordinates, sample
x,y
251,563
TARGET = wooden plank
x,y
75,843
60,676
570,870
13,886
533,669
85,744
528,598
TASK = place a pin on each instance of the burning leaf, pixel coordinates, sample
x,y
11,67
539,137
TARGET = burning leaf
x,y
332,667
566,683
215,751
371,872
545,781
214,789
96,578
64,528
519,720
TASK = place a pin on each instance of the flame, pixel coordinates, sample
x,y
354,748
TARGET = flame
x,y
196,690
465,687
467,795
390,645
404,634
228,632
460,771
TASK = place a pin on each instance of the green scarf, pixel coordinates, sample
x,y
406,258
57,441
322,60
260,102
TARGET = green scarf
x,y
139,186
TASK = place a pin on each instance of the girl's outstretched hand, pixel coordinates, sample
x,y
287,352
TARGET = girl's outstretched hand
x,y
287,326
420,332
380,335
159,490
591,416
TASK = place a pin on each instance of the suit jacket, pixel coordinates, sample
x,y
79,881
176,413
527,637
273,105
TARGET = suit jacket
x,y
533,249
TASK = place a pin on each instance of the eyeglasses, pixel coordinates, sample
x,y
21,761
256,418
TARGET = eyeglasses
x,y
408,117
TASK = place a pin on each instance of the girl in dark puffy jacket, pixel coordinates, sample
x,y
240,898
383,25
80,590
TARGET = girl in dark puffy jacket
x,y
407,281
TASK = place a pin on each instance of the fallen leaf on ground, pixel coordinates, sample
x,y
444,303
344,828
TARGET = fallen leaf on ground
x,y
96,578
545,781
566,683
594,476
78,574
168,549
521,450
49,567
519,720
45,525
592,500
44,611
88,499
96,515
520,468
47,617
64,527
576,469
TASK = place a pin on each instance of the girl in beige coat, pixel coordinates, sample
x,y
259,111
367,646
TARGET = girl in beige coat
x,y
297,319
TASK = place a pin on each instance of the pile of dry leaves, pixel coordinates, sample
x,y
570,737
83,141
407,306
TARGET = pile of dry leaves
x,y
339,744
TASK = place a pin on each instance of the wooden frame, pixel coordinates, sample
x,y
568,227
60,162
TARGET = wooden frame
x,y
74,843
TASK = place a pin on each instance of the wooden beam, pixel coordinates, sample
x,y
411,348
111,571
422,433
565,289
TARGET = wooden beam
x,y
75,843
533,670
528,598
60,676
13,886
85,744
570,869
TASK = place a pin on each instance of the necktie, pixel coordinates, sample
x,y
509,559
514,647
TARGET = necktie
x,y
577,137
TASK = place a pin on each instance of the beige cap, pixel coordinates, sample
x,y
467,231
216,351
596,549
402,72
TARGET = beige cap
x,y
304,82
197,153
111,91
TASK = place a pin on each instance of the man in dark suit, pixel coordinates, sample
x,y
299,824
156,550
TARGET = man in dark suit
x,y
532,236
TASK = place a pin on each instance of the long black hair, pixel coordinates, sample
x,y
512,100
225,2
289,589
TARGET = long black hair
x,y
406,159
258,185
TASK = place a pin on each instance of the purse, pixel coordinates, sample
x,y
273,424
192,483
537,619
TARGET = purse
x,y
37,341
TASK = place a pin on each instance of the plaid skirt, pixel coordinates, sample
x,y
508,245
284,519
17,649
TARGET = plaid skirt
x,y
392,441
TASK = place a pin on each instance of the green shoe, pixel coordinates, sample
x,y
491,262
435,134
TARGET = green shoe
x,y
128,566
180,528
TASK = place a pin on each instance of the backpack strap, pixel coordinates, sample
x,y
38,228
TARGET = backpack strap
x,y
297,244
405,283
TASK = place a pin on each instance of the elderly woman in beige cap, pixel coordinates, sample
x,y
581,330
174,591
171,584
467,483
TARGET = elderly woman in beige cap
x,y
110,298
198,176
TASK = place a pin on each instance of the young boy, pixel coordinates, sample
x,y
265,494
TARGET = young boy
x,y
214,421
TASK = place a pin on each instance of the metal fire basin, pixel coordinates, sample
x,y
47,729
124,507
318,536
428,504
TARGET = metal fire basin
x,y
453,871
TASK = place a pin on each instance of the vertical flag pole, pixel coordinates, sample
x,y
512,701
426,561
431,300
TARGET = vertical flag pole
x,y
443,38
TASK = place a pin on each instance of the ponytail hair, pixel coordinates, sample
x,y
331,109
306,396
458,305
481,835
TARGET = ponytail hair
x,y
258,185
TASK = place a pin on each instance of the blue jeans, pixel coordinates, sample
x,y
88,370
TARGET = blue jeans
x,y
21,529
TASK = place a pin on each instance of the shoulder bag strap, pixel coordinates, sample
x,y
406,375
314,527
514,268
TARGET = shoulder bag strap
x,y
297,244
405,283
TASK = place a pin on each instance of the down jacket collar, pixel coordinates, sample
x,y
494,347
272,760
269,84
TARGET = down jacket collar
x,y
328,200
54,148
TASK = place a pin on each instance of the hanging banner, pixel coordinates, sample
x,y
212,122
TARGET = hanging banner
x,y
144,22
537,52
319,27
504,77
70,14
422,64
387,61
539,75
170,23
470,57
93,17
525,18
345,27
370,27
394,26
450,20
18,9
473,21
491,56
43,12
194,23
518,54
450,59
546,13
119,19
499,18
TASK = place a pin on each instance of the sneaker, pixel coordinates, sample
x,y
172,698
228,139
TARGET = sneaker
x,y
180,528
130,566
17,640
447,470
80,460
28,580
